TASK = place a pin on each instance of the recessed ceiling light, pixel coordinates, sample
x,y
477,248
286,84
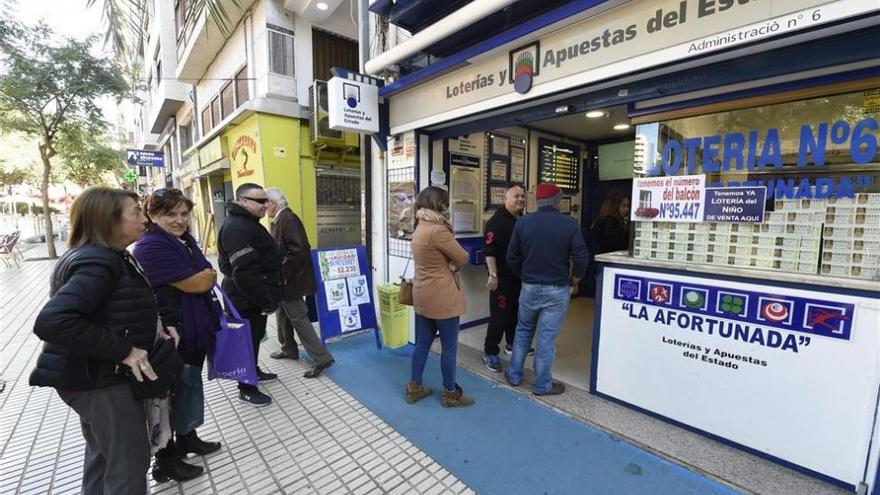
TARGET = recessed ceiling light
x,y
621,127
322,6
595,114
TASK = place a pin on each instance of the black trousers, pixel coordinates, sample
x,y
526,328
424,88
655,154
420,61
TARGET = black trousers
x,y
503,307
258,330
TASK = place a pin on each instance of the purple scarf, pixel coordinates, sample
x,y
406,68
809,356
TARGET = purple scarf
x,y
165,260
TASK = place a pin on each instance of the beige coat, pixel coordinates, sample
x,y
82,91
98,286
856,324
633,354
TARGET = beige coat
x,y
436,288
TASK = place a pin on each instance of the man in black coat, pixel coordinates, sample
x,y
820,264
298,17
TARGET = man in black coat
x,y
298,280
251,265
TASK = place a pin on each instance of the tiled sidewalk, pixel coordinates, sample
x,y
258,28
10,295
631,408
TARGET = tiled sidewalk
x,y
314,438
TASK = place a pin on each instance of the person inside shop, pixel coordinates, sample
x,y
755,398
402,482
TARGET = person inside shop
x,y
611,228
251,265
548,252
437,297
504,285
298,280
99,326
182,280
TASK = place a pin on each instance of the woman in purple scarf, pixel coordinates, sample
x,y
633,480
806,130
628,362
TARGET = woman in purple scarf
x,y
182,279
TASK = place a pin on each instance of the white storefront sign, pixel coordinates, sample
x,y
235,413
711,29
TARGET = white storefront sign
x,y
789,372
632,37
353,105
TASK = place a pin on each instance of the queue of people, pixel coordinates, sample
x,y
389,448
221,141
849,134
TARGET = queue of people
x,y
126,333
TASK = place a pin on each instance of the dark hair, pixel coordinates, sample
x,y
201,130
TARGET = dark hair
x,y
164,200
244,188
432,198
611,205
95,215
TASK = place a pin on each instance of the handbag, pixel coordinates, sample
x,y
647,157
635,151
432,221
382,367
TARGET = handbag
x,y
405,296
167,365
232,357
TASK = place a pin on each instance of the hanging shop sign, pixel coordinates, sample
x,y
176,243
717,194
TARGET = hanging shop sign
x,y
144,158
630,37
353,105
777,369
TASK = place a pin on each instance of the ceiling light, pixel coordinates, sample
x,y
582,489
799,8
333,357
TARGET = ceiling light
x,y
322,6
595,114
621,127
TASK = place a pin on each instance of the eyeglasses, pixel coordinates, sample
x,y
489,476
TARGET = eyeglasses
x,y
167,192
262,201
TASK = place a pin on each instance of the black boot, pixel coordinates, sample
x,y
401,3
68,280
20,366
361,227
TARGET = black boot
x,y
192,444
169,467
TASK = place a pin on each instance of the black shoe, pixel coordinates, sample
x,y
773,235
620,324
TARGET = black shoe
x,y
283,355
264,376
169,467
508,349
555,389
316,370
192,444
254,397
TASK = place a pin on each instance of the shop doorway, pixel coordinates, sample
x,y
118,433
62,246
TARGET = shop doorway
x,y
593,155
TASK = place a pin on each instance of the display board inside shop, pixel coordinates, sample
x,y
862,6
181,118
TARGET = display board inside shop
x,y
559,163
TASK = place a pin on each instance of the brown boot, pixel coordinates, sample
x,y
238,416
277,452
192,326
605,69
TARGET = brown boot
x,y
416,392
457,398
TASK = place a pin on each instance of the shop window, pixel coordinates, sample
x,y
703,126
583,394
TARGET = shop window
x,y
817,160
241,87
186,137
281,53
227,99
215,110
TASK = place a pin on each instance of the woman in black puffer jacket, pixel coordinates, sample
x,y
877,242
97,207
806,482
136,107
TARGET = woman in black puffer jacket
x,y
100,322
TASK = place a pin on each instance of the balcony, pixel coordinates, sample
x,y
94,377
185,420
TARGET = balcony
x,y
201,40
164,102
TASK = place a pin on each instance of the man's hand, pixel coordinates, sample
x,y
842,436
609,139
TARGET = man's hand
x,y
492,283
173,334
139,362
573,281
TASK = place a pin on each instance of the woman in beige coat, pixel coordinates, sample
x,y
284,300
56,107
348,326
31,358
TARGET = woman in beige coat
x,y
437,296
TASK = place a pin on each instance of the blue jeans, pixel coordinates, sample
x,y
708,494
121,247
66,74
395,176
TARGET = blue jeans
x,y
541,308
426,330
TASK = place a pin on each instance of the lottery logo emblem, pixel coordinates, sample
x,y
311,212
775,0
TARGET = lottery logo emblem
x,y
694,299
628,288
775,311
523,67
660,293
731,304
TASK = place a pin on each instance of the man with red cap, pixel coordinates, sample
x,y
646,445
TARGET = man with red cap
x,y
548,252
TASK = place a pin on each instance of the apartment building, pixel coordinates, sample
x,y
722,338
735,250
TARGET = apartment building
x,y
230,104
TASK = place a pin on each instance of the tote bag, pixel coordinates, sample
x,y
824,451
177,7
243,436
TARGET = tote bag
x,y
233,354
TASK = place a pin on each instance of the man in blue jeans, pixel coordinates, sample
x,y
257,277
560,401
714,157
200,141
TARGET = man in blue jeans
x,y
543,246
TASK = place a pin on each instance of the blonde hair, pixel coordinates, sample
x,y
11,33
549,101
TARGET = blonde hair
x,y
95,214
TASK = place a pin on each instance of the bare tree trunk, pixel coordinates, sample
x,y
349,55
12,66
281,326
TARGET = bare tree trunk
x,y
47,214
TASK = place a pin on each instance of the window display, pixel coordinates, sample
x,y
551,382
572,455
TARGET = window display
x,y
818,161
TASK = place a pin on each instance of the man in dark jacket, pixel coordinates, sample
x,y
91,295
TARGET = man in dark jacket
x,y
298,280
542,246
251,265
504,285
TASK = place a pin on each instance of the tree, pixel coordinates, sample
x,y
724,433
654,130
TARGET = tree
x,y
87,160
48,90
126,21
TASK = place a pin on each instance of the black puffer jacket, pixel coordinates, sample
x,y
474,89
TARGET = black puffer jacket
x,y
250,262
100,307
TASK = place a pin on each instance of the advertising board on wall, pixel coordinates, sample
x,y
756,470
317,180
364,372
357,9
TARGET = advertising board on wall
x,y
788,372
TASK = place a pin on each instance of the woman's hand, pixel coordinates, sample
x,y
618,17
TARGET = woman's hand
x,y
139,362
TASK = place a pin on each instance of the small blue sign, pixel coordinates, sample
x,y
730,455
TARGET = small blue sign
x,y
145,158
735,204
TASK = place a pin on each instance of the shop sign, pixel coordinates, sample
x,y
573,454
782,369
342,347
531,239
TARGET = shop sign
x,y
775,369
630,37
244,150
211,152
144,158
353,105
669,199
761,151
